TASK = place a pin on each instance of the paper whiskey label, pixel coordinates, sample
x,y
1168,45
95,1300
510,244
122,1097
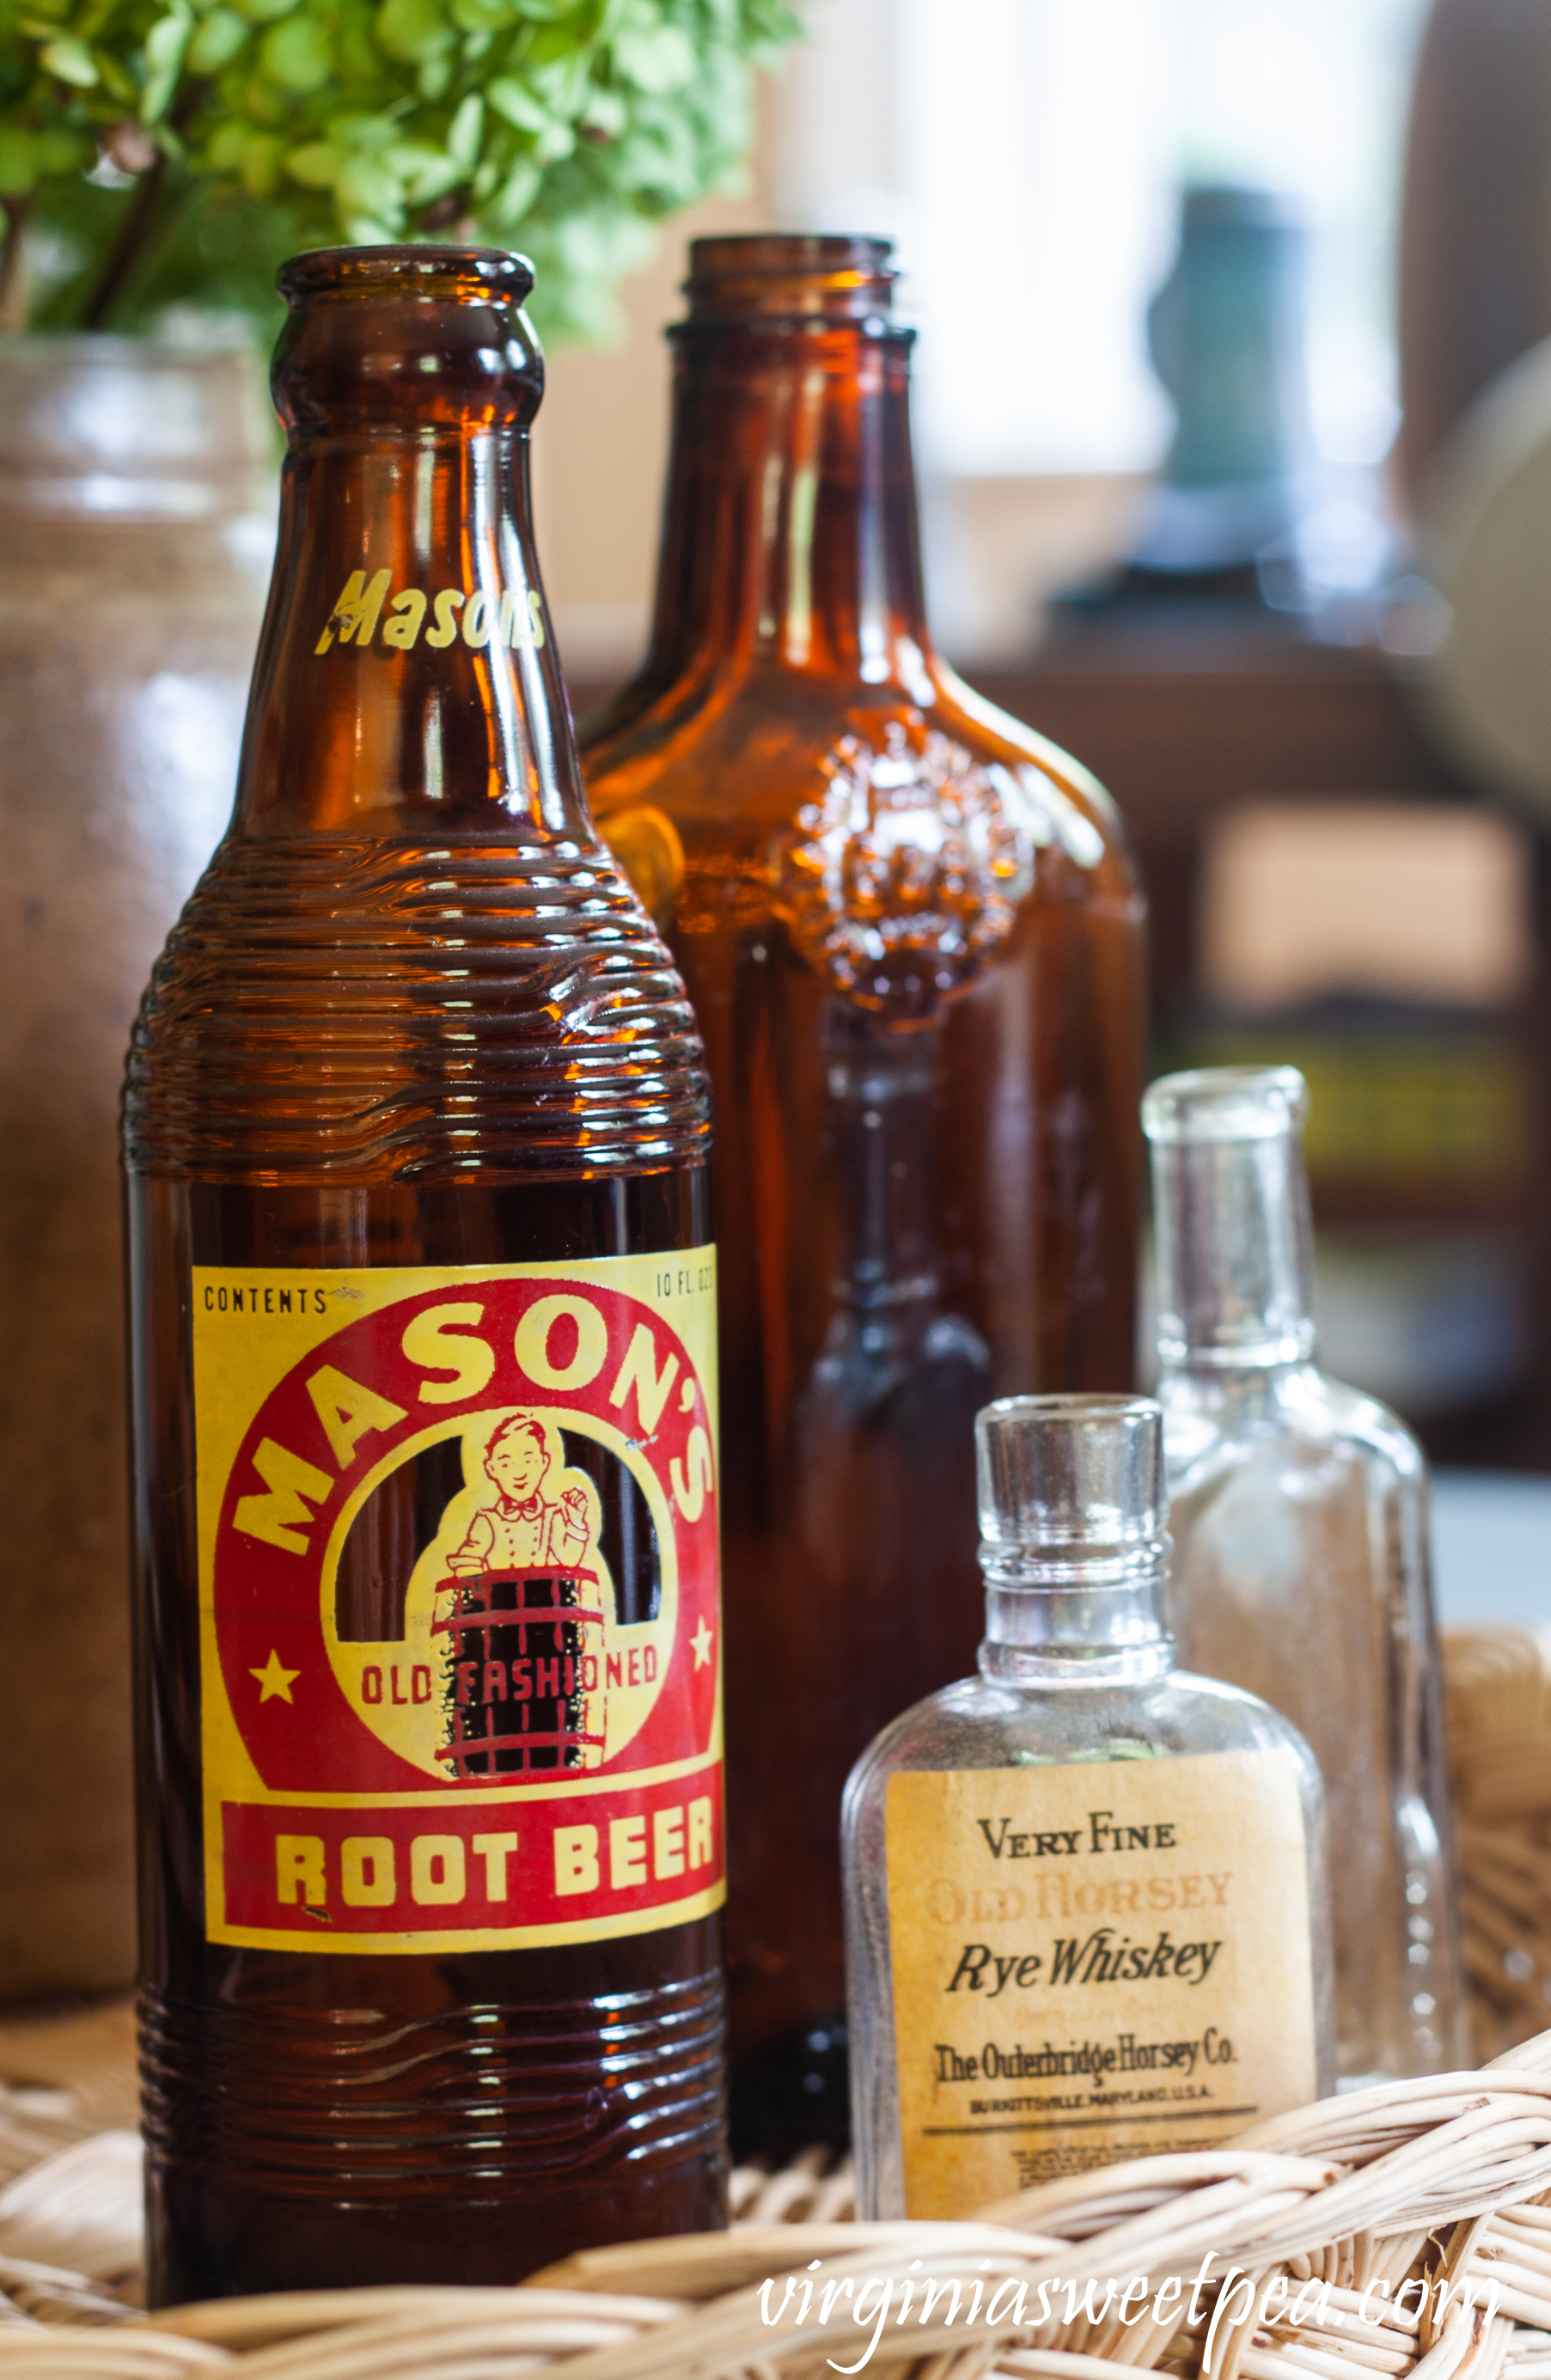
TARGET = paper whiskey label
x,y
1092,1961
460,1637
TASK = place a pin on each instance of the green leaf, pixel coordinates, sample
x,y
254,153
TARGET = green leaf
x,y
71,62
260,163
367,187
264,12
217,42
115,82
516,194
413,30
552,146
370,231
20,162
296,54
425,173
519,105
658,62
164,45
62,152
463,133
606,112
318,164
227,144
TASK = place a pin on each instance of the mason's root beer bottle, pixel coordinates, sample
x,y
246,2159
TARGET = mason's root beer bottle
x,y
424,1401
912,938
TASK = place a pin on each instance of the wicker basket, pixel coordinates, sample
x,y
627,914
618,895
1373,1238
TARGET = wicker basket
x,y
1397,2231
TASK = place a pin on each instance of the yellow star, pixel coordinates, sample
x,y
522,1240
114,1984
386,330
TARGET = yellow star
x,y
276,1679
701,1645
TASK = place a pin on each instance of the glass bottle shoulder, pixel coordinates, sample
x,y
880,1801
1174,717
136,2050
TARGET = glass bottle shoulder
x,y
989,1723
787,744
1304,1429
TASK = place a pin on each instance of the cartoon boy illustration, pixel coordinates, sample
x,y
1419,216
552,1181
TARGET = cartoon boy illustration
x,y
524,1528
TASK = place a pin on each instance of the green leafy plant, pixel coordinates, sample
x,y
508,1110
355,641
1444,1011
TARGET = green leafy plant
x,y
155,152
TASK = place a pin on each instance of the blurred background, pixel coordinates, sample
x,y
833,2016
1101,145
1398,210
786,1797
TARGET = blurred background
x,y
1233,423
1233,419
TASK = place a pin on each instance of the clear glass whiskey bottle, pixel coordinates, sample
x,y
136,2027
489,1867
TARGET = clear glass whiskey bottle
x,y
1082,1879
1299,1513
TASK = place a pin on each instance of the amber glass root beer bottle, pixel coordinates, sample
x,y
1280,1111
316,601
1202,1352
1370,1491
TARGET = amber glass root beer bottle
x,y
424,1401
911,935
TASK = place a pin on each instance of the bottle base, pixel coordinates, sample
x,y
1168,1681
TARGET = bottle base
x,y
212,2236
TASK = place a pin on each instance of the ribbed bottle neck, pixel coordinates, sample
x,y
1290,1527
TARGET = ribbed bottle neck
x,y
1074,1545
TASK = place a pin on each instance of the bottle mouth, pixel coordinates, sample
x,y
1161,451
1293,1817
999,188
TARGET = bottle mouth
x,y
426,271
789,276
1071,1483
1224,1103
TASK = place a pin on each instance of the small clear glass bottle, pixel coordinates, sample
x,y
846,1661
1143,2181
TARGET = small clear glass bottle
x,y
1299,1514
1085,1894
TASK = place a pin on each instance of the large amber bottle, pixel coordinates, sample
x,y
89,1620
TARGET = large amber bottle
x,y
912,938
423,1337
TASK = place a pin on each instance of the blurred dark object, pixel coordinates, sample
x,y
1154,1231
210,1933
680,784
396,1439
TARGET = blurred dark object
x,y
1225,333
1475,227
794,2092
1243,517
135,540
1487,553
1428,1133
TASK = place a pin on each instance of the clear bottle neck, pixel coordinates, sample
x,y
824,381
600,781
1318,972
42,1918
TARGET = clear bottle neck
x,y
1074,1545
1232,1234
792,537
1077,1629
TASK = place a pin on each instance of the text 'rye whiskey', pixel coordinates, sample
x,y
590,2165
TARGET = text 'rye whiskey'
x,y
424,1360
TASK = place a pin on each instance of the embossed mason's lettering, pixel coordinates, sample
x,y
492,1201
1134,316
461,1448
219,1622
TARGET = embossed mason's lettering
x,y
479,618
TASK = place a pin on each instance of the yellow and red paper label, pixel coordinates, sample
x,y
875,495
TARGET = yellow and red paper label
x,y
459,1614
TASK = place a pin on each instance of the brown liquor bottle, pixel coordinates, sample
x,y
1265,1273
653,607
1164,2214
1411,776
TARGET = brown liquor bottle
x,y
423,1356
913,937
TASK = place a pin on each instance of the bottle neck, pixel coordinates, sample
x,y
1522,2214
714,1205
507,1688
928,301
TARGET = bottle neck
x,y
880,1084
1233,1241
791,538
406,681
1078,1615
